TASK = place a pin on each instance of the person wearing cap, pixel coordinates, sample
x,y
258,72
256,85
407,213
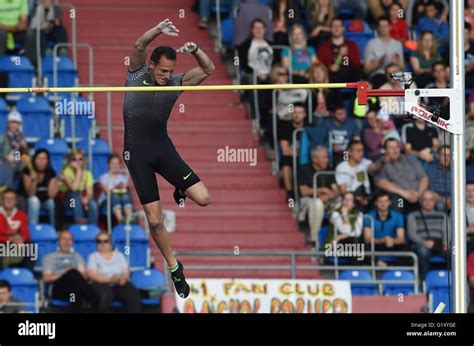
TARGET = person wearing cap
x,y
14,142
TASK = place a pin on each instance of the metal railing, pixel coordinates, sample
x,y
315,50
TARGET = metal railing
x,y
73,29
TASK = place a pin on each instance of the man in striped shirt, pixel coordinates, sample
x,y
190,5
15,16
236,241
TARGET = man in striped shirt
x,y
428,231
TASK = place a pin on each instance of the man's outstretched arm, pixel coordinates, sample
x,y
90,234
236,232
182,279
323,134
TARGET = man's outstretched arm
x,y
138,56
196,75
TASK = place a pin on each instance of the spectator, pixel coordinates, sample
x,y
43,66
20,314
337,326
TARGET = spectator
x,y
340,56
14,143
77,187
205,9
380,52
285,138
469,15
439,174
427,231
346,223
419,10
374,136
421,140
470,125
382,7
402,176
327,192
40,187
468,57
65,270
9,304
470,215
470,276
48,18
322,97
342,130
319,16
440,82
389,230
424,57
14,228
117,183
398,25
352,174
6,175
109,272
358,7
393,105
249,10
285,14
435,22
302,56
14,28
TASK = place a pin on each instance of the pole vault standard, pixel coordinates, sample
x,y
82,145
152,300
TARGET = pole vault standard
x,y
455,126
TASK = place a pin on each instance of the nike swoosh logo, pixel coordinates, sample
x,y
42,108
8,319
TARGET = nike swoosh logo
x,y
146,83
186,177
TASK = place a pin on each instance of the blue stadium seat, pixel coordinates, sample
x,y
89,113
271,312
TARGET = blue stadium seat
x,y
360,289
24,285
438,259
66,74
3,115
100,155
227,31
46,238
311,137
57,148
84,239
37,116
438,289
149,279
139,244
398,288
83,116
20,71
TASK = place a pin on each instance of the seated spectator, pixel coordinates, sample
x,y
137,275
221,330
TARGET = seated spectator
x,y
439,175
323,97
302,56
342,130
48,18
9,304
393,105
470,276
470,125
468,57
470,215
426,229
421,140
285,139
419,10
205,9
286,13
358,7
65,271
40,187
382,51
109,272
327,192
77,187
434,21
346,223
382,7
6,175
353,174
14,28
319,15
340,55
380,128
402,176
439,72
389,227
117,183
469,15
14,228
398,24
423,59
14,145
248,11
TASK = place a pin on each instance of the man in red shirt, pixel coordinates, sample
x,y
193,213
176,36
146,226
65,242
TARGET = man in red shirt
x,y
470,277
13,222
341,56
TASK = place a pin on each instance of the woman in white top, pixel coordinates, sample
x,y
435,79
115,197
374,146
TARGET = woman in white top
x,y
109,272
346,222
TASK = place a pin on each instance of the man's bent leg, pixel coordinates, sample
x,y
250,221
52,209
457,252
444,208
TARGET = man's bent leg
x,y
199,194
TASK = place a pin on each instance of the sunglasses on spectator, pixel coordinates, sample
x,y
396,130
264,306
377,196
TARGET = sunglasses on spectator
x,y
103,241
78,159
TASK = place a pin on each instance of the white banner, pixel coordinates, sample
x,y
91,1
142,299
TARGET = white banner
x,y
266,296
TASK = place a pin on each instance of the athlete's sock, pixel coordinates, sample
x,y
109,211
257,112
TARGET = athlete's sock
x,y
174,268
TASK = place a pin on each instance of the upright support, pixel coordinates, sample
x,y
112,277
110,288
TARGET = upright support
x,y
458,164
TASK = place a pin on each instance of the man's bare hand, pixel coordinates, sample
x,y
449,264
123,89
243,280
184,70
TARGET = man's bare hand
x,y
187,48
166,27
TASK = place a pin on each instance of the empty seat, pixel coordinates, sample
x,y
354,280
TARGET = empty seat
x,y
438,284
83,112
46,238
360,289
24,286
397,288
37,117
4,111
20,73
84,239
66,74
151,280
139,244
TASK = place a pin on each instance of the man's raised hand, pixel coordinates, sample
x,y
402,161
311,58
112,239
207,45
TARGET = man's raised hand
x,y
187,48
166,27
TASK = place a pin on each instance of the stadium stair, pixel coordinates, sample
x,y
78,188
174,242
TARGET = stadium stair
x,y
248,209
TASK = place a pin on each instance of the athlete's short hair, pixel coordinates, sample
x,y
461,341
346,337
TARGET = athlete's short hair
x,y
166,51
